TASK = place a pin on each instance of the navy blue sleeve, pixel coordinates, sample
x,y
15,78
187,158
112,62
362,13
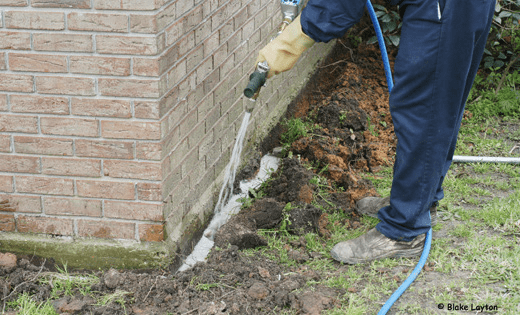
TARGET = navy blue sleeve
x,y
323,20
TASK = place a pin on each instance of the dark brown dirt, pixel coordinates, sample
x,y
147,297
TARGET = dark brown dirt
x,y
348,99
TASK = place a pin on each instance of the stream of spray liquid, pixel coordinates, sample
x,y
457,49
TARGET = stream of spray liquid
x,y
229,204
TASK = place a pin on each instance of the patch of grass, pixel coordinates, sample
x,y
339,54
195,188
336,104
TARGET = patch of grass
x,y
25,305
461,230
119,297
502,213
63,283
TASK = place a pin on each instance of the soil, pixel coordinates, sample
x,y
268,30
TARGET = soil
x,y
348,101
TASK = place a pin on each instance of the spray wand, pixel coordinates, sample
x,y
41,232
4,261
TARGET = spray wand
x,y
290,10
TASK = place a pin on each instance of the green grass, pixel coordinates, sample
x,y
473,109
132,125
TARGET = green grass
x,y
25,305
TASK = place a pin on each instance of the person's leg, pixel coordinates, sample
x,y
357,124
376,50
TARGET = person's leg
x,y
480,44
440,49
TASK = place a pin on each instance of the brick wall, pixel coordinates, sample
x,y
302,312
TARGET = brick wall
x,y
117,117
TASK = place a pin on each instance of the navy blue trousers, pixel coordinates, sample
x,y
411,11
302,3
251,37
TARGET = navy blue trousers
x,y
441,46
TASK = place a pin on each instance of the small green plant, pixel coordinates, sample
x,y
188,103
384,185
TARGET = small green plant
x,y
371,127
295,129
286,219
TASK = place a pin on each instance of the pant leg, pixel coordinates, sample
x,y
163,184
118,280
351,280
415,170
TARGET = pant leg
x,y
441,46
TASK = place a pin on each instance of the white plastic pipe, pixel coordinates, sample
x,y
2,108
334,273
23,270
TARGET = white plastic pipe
x,y
485,159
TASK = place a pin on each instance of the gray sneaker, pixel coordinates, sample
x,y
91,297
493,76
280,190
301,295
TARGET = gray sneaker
x,y
370,206
374,245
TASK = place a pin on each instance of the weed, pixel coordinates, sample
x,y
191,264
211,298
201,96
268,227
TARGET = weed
x,y
286,219
295,129
371,128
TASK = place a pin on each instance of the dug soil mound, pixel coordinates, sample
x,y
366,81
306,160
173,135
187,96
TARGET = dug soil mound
x,y
347,105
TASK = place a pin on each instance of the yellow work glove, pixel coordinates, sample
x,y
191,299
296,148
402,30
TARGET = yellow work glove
x,y
282,52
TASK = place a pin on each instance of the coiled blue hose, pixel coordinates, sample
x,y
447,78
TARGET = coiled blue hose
x,y
428,242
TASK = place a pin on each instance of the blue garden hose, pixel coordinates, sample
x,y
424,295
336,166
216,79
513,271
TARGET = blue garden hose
x,y
428,242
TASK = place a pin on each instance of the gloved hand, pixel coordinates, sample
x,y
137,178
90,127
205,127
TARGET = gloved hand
x,y
282,52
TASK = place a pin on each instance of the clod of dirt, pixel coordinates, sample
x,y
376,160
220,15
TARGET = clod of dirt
x,y
239,231
342,113
304,219
7,261
72,305
290,185
258,291
266,213
112,278
314,302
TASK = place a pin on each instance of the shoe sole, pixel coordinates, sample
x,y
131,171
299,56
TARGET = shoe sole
x,y
396,254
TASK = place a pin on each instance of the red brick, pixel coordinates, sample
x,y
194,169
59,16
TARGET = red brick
x,y
151,232
72,206
39,104
69,126
5,143
132,169
7,222
35,20
105,149
13,3
106,229
65,85
101,107
100,65
127,45
176,74
141,5
3,102
194,58
147,67
45,185
19,164
149,191
147,109
105,189
131,87
71,167
62,42
133,210
20,203
131,130
15,40
2,62
186,43
174,32
114,23
18,123
69,4
149,151
167,16
7,205
55,226
184,6
6,183
16,83
140,23
42,145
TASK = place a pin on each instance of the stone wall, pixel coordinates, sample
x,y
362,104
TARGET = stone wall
x,y
117,118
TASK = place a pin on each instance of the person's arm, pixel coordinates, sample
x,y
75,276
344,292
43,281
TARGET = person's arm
x,y
323,20
320,21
